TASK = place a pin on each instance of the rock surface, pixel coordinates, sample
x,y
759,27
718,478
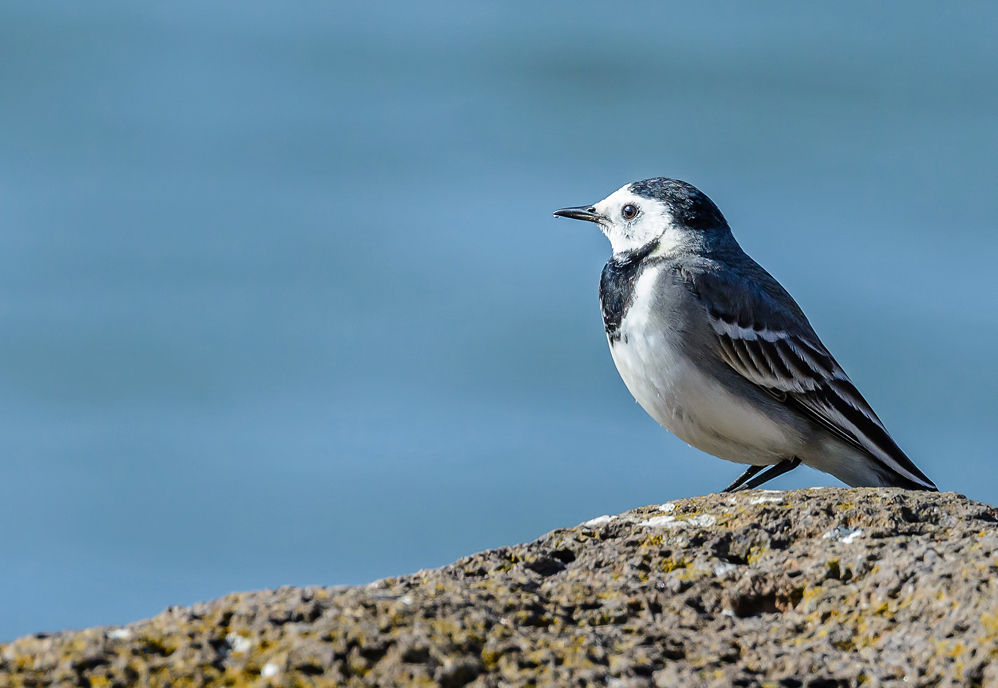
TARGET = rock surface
x,y
824,587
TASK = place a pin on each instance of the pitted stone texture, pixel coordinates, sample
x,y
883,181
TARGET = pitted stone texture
x,y
820,588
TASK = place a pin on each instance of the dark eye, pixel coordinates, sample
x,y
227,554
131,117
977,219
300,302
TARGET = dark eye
x,y
629,211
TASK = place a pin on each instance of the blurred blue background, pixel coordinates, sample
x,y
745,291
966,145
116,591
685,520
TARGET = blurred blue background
x,y
282,300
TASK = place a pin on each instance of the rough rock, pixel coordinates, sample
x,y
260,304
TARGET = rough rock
x,y
820,588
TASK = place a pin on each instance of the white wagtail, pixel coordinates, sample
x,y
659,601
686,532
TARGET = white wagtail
x,y
718,352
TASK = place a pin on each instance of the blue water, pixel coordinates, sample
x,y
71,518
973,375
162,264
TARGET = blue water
x,y
282,301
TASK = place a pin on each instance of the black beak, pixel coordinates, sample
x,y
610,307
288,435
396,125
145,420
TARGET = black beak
x,y
583,212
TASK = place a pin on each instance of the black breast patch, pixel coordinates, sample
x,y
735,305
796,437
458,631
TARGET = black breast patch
x,y
616,287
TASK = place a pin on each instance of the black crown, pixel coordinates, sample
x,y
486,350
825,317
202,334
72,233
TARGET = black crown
x,y
689,205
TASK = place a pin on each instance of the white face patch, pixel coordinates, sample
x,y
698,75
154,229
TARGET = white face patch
x,y
653,221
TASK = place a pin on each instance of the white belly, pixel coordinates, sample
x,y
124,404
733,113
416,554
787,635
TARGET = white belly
x,y
691,405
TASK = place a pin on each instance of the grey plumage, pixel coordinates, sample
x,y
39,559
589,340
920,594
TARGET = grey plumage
x,y
718,352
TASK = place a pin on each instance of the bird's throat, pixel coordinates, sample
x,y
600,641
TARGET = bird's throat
x,y
616,287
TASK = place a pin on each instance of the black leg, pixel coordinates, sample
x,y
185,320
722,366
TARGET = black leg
x,y
740,480
772,472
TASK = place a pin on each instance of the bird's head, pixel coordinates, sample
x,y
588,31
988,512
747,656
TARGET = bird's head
x,y
665,210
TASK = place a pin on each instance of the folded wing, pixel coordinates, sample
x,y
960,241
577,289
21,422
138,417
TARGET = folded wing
x,y
766,338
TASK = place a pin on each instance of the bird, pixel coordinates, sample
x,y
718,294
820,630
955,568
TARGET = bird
x,y
720,354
